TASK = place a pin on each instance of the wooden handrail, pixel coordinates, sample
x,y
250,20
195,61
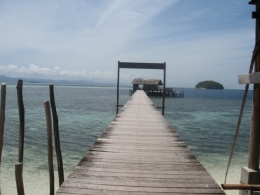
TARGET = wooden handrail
x,y
254,187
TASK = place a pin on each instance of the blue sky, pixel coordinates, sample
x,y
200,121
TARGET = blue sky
x,y
83,39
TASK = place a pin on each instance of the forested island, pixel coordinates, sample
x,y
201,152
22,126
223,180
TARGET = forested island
x,y
209,85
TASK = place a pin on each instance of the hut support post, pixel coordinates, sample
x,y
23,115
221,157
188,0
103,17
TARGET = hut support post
x,y
251,174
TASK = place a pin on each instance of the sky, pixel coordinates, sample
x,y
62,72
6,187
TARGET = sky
x,y
84,39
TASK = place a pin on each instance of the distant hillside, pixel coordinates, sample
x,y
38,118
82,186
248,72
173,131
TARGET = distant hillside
x,y
6,79
209,85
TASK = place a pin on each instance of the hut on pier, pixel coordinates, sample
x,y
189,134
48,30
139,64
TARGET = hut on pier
x,y
147,84
153,87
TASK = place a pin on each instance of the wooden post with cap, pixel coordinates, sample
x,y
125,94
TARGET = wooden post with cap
x,y
251,174
253,159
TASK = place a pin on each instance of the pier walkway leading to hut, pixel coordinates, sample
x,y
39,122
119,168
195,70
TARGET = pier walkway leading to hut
x,y
139,153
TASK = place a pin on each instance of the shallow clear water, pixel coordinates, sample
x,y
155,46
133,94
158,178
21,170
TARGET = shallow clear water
x,y
205,119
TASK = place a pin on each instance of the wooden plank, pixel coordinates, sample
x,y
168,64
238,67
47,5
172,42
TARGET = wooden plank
x,y
139,153
176,176
132,184
167,173
140,65
249,78
119,192
175,190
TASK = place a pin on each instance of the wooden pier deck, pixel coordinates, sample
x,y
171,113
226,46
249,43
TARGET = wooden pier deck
x,y
139,153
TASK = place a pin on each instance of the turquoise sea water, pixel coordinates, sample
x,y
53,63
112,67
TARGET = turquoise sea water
x,y
205,119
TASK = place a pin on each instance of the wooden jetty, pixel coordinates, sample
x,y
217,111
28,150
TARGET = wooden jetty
x,y
139,153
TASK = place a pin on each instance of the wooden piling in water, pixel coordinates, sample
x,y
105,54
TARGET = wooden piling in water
x,y
49,146
2,122
21,119
19,165
56,135
2,118
19,178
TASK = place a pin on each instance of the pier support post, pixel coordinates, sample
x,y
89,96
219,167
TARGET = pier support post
x,y
21,119
19,178
117,98
49,146
251,174
253,159
2,120
164,83
56,135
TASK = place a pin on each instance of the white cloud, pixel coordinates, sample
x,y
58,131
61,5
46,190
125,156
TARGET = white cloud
x,y
34,71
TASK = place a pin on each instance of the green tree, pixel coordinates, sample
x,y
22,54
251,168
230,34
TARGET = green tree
x,y
209,85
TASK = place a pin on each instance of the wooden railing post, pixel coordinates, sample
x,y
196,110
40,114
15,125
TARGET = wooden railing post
x,y
56,135
49,146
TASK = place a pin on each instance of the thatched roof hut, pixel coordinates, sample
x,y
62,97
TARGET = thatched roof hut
x,y
141,81
148,84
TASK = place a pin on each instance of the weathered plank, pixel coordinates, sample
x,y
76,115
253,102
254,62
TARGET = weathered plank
x,y
249,78
139,153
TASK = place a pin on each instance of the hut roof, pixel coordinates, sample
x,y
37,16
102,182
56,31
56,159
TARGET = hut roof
x,y
141,81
